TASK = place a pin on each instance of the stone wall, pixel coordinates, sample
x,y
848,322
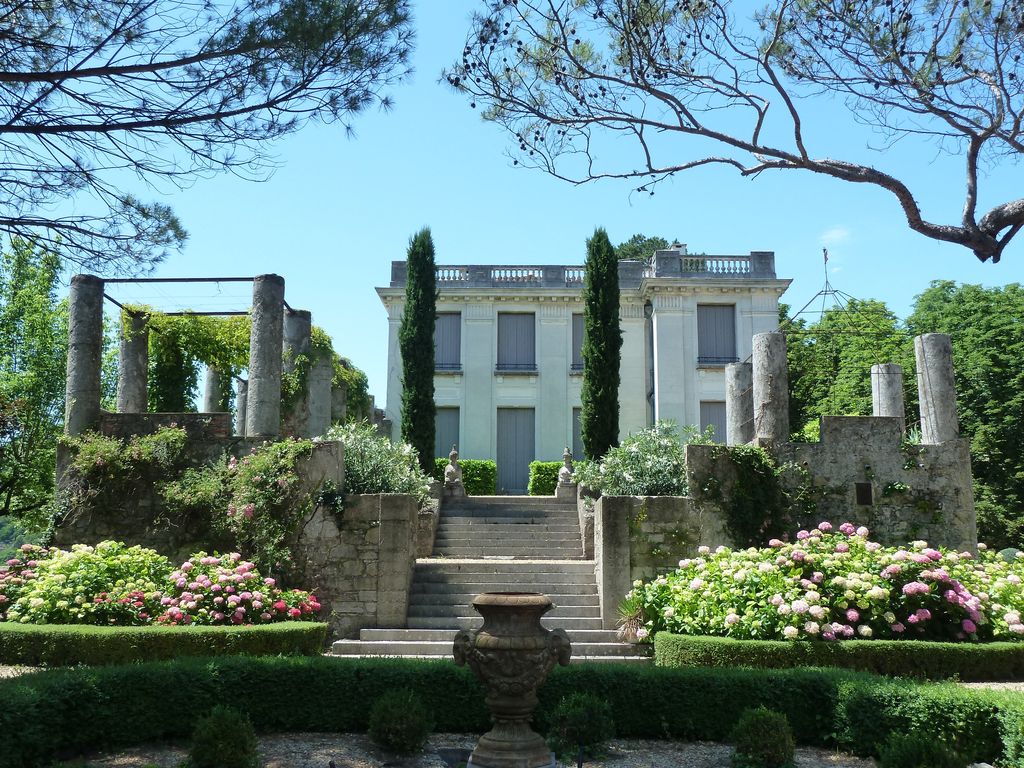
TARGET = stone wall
x,y
863,472
360,561
642,537
137,514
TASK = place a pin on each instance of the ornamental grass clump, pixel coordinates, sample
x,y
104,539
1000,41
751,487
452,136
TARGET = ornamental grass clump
x,y
763,739
835,583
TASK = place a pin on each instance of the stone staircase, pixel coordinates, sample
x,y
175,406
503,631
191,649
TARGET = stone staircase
x,y
499,544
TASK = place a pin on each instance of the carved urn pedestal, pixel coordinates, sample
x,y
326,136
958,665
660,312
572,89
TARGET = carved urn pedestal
x,y
512,655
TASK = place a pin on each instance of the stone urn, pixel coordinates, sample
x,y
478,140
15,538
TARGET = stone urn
x,y
512,655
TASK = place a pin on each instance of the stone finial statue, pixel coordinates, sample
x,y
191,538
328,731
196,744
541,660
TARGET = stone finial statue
x,y
565,473
453,476
566,488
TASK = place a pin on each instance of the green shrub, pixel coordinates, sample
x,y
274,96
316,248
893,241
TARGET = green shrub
x,y
543,478
60,646
897,658
763,739
479,476
223,739
399,722
580,721
373,464
41,714
651,462
914,750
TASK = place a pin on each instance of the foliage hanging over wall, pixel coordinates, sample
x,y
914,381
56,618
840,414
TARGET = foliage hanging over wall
x,y
357,388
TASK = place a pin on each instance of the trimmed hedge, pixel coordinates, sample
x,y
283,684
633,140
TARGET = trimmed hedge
x,y
897,658
74,710
58,645
479,476
543,478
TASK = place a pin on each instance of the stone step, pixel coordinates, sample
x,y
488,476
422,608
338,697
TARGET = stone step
x,y
532,580
525,520
474,622
512,537
552,590
443,649
448,636
510,552
553,530
558,612
522,501
466,598
426,567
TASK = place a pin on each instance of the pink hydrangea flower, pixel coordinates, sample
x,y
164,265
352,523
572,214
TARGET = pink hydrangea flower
x,y
847,528
825,527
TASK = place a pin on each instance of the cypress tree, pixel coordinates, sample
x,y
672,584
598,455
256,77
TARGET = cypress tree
x,y
416,342
602,343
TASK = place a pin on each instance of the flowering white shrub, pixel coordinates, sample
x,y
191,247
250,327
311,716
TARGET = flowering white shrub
x,y
835,584
651,462
373,464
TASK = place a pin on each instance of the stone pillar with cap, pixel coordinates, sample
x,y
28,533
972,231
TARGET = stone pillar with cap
x,y
298,328
936,388
263,408
85,354
241,405
214,384
771,389
739,403
133,364
887,392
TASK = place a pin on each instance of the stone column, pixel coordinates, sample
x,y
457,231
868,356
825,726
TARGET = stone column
x,y
935,388
339,403
85,354
263,411
739,403
771,390
298,326
133,364
320,376
241,403
887,391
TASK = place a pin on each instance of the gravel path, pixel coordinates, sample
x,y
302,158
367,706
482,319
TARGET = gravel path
x,y
446,750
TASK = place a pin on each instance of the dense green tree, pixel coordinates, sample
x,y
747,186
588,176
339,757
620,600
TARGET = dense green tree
x,y
830,359
416,341
33,358
94,91
640,248
602,343
987,330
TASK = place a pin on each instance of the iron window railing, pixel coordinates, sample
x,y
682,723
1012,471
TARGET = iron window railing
x,y
709,360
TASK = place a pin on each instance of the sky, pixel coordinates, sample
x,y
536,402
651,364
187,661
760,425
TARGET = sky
x,y
340,208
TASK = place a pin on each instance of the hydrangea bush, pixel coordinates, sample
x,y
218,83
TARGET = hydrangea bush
x,y
832,584
116,585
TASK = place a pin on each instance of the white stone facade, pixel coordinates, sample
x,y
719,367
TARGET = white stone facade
x,y
661,376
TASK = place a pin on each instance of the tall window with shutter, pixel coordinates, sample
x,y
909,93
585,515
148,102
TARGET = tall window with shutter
x,y
446,430
577,343
716,334
712,414
516,342
448,341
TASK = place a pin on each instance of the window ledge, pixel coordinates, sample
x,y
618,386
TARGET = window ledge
x,y
515,371
448,371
